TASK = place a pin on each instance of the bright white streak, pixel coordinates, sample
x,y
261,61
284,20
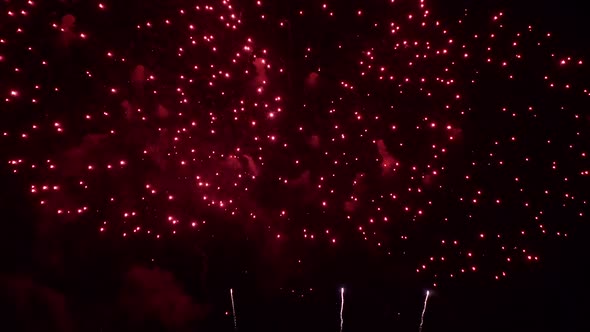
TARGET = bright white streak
x,y
233,308
424,311
341,308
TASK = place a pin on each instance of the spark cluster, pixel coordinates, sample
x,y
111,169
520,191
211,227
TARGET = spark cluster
x,y
463,140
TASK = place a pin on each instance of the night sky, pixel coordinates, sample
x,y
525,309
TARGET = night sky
x,y
269,165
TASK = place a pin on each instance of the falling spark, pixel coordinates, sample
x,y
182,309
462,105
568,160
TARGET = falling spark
x,y
341,308
424,310
233,308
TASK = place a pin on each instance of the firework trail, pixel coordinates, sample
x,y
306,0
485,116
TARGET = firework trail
x,y
341,308
424,310
233,308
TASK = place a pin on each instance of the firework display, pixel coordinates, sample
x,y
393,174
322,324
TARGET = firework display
x,y
373,123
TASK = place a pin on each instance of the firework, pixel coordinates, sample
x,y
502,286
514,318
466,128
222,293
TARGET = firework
x,y
341,308
233,308
424,310
461,139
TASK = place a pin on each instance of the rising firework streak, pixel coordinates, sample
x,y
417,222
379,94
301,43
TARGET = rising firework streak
x,y
424,311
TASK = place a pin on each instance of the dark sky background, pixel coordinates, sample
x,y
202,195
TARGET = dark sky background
x,y
67,279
